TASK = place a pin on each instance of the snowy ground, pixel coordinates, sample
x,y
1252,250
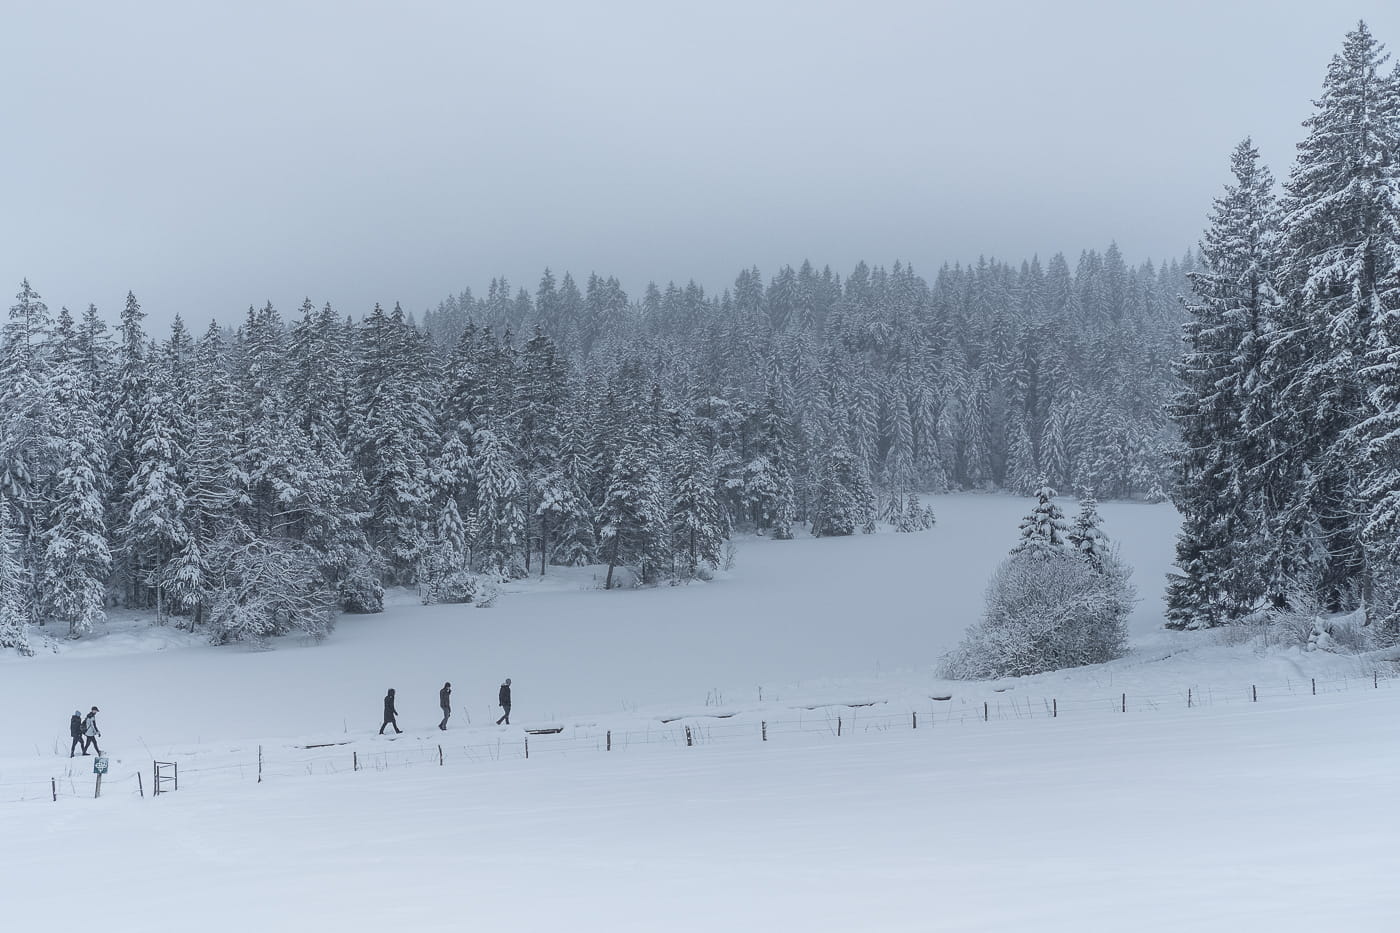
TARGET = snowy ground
x,y
1231,814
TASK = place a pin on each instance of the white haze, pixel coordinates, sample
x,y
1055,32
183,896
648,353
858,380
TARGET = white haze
x,y
210,156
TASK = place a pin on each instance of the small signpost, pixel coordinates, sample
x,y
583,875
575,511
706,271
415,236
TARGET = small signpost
x,y
99,768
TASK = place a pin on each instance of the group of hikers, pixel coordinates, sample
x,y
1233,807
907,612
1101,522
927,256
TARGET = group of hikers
x,y
84,731
391,713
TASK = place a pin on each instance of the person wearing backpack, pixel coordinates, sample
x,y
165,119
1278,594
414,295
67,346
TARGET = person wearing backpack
x,y
75,729
90,731
391,715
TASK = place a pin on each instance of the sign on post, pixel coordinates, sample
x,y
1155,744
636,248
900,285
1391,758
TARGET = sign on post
x,y
99,765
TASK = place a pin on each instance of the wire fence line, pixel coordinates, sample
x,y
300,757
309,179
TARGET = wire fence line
x,y
836,720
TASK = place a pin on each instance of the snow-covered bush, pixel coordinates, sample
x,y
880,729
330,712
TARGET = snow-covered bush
x,y
458,587
1348,633
264,587
1044,612
361,594
1303,624
486,594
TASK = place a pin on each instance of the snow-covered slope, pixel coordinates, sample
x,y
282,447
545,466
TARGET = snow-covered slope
x,y
1230,814
798,612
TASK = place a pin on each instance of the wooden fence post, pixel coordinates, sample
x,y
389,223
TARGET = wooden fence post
x,y
838,726
439,756
688,741
1314,686
1125,702
356,759
1376,679
1054,708
1188,697
609,740
986,715
53,786
764,726
1253,693
527,747
259,764
139,786
916,719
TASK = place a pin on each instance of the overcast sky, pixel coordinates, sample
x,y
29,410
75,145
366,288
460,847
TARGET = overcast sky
x,y
213,155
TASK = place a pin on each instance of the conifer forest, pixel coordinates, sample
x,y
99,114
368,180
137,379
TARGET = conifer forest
x,y
253,477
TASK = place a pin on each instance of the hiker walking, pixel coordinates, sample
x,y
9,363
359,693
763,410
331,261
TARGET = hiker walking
x,y
504,699
391,715
91,732
445,701
75,729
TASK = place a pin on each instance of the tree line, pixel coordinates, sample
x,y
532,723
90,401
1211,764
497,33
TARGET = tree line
x,y
256,480
1288,478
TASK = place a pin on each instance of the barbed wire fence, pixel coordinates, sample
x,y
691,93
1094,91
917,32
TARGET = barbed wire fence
x,y
835,720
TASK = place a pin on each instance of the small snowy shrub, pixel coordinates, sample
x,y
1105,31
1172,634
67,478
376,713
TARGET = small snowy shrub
x,y
487,594
731,552
1345,634
458,587
361,595
1046,610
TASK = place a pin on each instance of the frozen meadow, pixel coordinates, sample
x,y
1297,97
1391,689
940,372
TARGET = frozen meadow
x,y
1230,814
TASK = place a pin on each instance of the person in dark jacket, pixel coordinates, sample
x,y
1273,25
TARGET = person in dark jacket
x,y
75,729
91,732
445,701
391,715
504,699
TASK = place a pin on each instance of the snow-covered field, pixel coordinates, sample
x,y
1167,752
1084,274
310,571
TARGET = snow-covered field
x,y
1228,815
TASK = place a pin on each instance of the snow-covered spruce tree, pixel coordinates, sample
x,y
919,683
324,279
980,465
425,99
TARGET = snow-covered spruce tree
x,y
154,530
845,501
1044,530
560,512
767,476
1023,477
897,474
1379,434
74,559
1226,400
390,437
1086,535
569,511
632,516
127,400
500,518
14,585
540,388
1339,228
27,435
1047,607
326,508
697,526
208,478
445,576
